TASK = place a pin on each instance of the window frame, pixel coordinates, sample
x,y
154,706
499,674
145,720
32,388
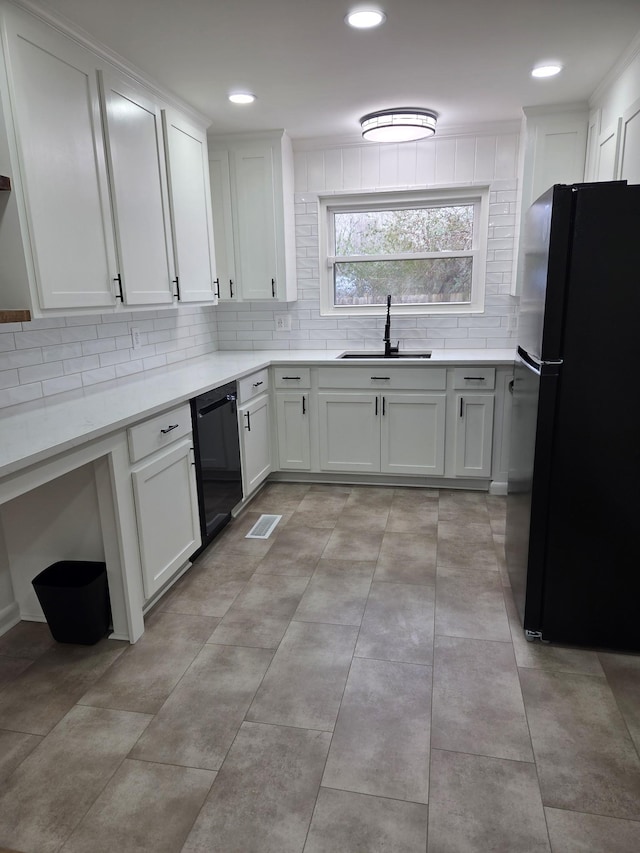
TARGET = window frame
x,y
476,195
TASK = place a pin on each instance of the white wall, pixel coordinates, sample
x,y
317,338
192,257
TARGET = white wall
x,y
65,354
486,156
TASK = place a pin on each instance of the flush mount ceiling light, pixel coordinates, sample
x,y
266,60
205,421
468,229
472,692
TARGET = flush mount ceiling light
x,y
242,98
399,125
549,70
364,19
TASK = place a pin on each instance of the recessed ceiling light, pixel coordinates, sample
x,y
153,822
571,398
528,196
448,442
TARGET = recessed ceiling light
x,y
242,98
364,19
546,70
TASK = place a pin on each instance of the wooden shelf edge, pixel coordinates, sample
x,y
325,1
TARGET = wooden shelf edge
x,y
15,316
5,183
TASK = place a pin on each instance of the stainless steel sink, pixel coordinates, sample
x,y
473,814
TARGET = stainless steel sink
x,y
402,355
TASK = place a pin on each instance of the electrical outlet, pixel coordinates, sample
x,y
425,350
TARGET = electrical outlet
x,y
136,338
283,322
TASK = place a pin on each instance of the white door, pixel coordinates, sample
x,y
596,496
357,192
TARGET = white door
x,y
220,181
255,223
167,512
62,164
255,443
190,198
412,434
292,423
349,432
135,150
474,435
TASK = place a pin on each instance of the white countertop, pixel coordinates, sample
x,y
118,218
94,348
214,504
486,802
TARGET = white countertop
x,y
37,431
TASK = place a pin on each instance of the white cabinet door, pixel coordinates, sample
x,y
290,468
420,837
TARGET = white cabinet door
x,y
254,217
167,513
136,155
474,435
292,423
190,198
412,434
220,180
255,444
62,164
349,430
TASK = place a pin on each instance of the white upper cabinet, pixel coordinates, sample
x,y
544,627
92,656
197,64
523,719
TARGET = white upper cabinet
x,y
190,202
68,232
92,222
252,196
135,149
220,181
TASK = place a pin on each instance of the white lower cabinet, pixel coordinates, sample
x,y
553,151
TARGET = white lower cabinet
x,y
166,503
391,433
412,434
349,432
474,435
255,443
293,430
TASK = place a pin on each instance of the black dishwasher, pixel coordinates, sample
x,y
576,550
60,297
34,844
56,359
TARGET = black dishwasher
x,y
217,452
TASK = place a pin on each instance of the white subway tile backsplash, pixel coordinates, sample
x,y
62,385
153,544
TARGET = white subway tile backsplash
x,y
27,340
79,333
9,378
61,354
61,384
78,365
38,372
20,358
102,374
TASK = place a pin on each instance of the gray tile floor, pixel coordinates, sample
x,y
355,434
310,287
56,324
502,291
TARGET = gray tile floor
x,y
358,682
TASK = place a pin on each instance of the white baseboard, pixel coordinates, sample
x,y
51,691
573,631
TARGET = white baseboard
x,y
496,488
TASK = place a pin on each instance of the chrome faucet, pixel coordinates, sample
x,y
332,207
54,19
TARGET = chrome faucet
x,y
389,351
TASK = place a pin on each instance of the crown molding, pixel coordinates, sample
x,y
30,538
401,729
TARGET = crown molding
x,y
355,140
68,28
580,107
624,60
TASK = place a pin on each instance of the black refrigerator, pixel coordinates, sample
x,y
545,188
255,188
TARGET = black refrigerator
x,y
573,504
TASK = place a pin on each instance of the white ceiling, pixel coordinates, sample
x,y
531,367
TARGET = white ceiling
x,y
469,60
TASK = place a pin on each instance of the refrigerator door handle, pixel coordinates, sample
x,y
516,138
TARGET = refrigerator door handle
x,y
536,364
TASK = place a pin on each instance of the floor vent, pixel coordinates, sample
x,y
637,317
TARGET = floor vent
x,y
264,526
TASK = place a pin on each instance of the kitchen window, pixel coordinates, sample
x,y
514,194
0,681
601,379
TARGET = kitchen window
x,y
426,249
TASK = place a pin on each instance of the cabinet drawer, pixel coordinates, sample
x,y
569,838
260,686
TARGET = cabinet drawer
x,y
249,386
159,431
292,377
381,377
474,377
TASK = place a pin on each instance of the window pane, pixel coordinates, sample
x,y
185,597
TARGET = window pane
x,y
379,232
431,280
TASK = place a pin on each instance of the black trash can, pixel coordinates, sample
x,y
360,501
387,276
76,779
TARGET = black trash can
x,y
74,596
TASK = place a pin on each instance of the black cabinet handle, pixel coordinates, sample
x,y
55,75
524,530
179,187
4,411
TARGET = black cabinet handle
x,y
119,295
304,405
169,428
176,281
290,377
474,378
381,377
257,384
273,287
231,288
376,407
510,386
248,417
461,406
384,405
217,284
